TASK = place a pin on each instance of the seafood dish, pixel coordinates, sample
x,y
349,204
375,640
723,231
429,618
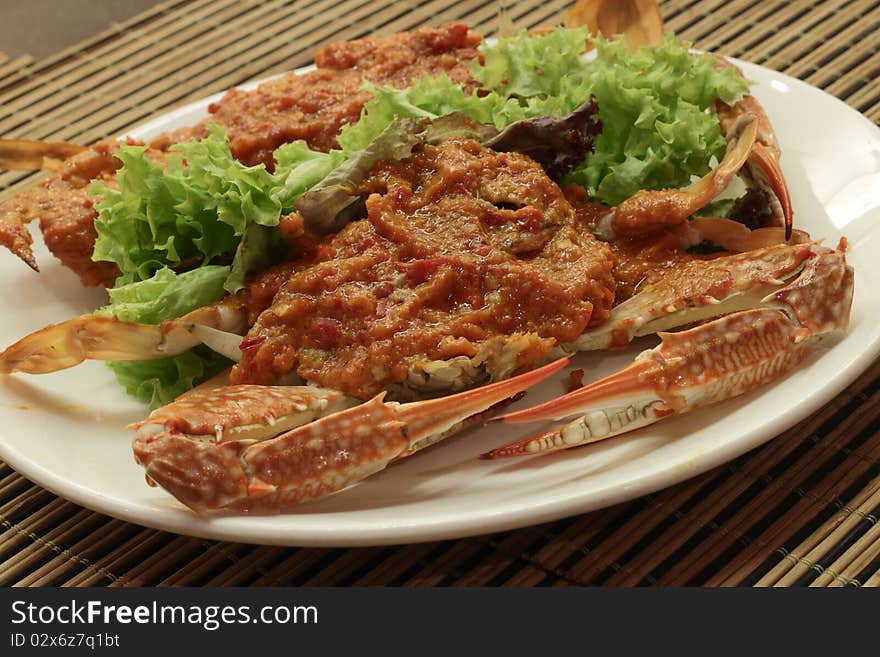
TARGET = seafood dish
x,y
346,266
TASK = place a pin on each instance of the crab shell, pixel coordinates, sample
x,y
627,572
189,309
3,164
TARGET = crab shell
x,y
711,362
233,448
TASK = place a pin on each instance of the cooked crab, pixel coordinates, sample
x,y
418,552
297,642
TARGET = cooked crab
x,y
472,266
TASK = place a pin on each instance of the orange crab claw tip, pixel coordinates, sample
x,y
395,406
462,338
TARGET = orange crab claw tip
x,y
626,383
508,451
767,162
15,237
29,260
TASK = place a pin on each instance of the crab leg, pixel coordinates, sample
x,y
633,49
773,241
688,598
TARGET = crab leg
x,y
27,155
656,209
192,449
734,236
73,166
712,362
95,337
14,236
698,290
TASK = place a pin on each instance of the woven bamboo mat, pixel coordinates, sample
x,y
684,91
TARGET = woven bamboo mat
x,y
801,510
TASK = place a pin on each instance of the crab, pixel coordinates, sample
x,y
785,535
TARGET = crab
x,y
749,316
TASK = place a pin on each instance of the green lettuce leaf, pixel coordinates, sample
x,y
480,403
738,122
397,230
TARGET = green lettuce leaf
x,y
334,201
298,169
167,296
189,210
161,381
526,66
657,133
198,205
255,245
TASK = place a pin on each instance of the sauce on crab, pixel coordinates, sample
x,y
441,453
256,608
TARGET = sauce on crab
x,y
316,105
638,259
464,252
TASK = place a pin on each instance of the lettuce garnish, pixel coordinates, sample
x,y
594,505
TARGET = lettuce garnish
x,y
197,206
167,295
161,381
653,104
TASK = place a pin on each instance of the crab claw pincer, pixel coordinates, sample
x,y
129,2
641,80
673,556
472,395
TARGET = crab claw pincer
x,y
762,167
14,236
195,448
712,362
96,337
652,210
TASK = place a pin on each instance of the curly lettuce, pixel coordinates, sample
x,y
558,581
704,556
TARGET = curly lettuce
x,y
185,211
198,205
167,295
653,104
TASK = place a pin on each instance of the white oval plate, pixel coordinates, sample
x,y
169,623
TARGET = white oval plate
x,y
66,431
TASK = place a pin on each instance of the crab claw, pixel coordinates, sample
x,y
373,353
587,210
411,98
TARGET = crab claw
x,y
763,164
27,155
59,346
648,210
715,361
698,290
241,412
209,467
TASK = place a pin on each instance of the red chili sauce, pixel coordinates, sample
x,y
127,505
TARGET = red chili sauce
x,y
316,106
638,260
461,247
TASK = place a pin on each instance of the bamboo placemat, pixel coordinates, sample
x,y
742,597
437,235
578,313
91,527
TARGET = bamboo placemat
x,y
801,510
